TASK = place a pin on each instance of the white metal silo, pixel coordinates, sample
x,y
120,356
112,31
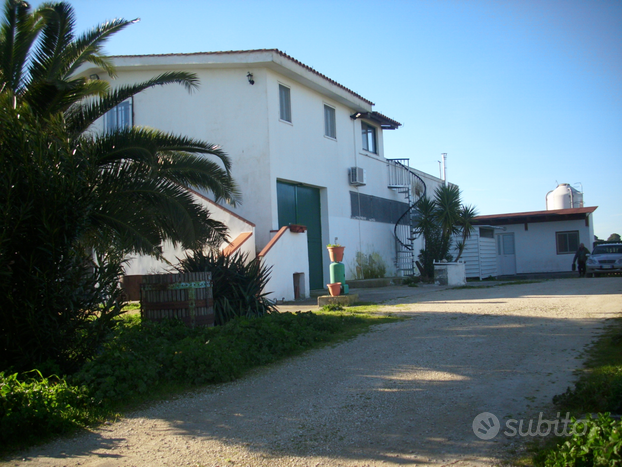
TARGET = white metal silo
x,y
564,197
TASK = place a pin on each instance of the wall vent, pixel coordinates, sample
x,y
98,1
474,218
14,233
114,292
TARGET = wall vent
x,y
357,175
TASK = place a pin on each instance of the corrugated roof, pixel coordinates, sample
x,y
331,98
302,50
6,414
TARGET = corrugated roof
x,y
277,51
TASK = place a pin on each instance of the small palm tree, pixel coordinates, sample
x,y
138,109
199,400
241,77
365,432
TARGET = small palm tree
x,y
438,221
467,215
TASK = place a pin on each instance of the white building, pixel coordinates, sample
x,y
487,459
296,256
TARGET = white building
x,y
305,150
533,242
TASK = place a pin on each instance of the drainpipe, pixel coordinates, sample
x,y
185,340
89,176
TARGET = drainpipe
x,y
354,118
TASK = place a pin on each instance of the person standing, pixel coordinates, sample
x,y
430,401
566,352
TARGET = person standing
x,y
580,257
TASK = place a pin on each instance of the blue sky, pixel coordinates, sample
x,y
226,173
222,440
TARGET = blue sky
x,y
520,94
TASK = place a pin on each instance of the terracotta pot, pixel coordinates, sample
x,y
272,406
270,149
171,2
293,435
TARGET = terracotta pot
x,y
334,289
297,228
336,253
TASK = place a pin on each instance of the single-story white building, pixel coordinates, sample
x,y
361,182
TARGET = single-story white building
x,y
528,242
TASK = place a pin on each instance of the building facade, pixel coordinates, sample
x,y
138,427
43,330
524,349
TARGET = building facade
x,y
305,149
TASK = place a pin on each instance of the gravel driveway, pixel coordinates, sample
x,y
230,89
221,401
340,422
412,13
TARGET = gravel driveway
x,y
403,394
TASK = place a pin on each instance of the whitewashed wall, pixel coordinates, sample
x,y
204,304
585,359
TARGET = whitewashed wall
x,y
141,264
536,250
287,256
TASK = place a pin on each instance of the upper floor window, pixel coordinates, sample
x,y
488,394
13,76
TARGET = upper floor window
x,y
119,117
285,103
330,127
369,137
567,242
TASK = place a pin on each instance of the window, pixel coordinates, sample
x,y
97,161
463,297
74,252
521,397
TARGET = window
x,y
285,103
369,137
330,128
119,117
567,242
486,233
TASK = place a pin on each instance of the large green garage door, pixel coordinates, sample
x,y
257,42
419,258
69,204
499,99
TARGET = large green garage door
x,y
299,204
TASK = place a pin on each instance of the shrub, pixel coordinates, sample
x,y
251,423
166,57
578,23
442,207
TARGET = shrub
x,y
598,391
142,357
238,283
35,406
369,266
595,442
52,290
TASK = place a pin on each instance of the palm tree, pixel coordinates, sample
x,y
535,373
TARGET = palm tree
x,y
438,221
467,215
142,172
447,215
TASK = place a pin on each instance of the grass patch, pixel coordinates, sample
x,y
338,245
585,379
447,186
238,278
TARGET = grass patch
x,y
144,362
364,307
598,391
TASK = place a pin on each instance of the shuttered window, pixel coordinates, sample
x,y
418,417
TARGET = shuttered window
x,y
285,103
330,127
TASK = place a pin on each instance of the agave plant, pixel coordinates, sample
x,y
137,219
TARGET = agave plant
x,y
238,284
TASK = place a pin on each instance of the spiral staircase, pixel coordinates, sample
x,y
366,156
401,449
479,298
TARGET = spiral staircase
x,y
405,181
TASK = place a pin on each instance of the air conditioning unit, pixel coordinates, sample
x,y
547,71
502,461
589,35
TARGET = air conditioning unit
x,y
357,175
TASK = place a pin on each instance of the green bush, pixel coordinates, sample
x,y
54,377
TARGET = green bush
x,y
237,283
57,301
368,266
144,356
598,391
595,443
31,407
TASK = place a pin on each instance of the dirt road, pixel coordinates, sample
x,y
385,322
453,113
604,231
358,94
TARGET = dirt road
x,y
404,394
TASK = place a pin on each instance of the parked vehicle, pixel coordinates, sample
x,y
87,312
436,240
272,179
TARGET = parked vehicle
x,y
606,258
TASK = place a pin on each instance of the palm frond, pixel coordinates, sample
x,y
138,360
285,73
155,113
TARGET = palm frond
x,y
56,36
88,47
18,33
81,116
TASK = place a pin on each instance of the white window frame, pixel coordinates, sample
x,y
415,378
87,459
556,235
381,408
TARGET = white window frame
x,y
366,131
285,103
330,122
120,117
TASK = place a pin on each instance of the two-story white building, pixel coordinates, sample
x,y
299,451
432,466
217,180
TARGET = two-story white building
x,y
305,150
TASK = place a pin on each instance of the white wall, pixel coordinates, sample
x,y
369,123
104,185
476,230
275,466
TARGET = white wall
x,y
536,249
142,264
287,256
479,256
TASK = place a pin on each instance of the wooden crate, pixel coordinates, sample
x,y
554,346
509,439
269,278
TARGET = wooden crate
x,y
187,297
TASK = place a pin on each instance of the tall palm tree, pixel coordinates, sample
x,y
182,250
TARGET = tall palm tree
x,y
142,172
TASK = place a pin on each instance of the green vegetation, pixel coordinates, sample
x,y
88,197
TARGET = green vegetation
x,y
598,390
368,266
146,361
438,220
596,443
411,281
237,283
74,202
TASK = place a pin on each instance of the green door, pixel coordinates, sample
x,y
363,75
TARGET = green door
x,y
299,204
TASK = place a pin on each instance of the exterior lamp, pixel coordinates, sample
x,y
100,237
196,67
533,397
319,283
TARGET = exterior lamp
x,y
249,76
